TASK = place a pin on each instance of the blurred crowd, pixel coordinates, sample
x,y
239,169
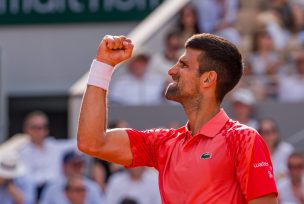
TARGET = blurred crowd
x,y
270,35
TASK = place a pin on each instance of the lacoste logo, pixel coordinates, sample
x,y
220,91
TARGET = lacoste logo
x,y
206,155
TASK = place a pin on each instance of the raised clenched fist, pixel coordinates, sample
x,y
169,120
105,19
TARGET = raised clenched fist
x,y
114,49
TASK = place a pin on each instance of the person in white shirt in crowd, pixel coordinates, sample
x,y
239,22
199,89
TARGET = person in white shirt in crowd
x,y
73,164
138,184
15,187
263,60
294,81
42,154
278,149
219,17
291,188
242,103
160,61
137,86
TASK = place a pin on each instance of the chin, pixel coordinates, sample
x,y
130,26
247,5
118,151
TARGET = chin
x,y
172,93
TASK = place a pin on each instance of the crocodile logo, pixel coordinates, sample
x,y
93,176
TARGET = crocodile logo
x,y
206,155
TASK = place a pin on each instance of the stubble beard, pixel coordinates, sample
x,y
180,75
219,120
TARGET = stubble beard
x,y
173,92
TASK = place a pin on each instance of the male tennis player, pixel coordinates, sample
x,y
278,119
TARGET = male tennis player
x,y
210,160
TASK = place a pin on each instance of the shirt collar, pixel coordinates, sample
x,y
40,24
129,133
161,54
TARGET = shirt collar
x,y
214,125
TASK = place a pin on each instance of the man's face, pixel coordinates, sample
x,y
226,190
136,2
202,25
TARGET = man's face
x,y
37,128
76,192
74,168
269,132
185,75
296,167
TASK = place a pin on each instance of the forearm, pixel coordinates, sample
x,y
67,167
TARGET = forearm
x,y
15,193
93,120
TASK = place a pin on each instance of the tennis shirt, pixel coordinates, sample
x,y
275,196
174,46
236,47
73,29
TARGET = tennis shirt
x,y
224,163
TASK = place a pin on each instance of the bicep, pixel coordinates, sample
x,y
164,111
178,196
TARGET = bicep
x,y
116,147
267,199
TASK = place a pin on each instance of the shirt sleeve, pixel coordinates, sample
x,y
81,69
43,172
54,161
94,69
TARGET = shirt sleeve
x,y
144,146
254,167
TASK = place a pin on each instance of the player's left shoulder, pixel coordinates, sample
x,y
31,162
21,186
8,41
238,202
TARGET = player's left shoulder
x,y
240,136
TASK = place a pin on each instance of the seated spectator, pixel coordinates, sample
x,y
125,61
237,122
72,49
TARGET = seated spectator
x,y
138,184
291,188
219,17
263,60
288,12
75,190
279,150
243,102
162,61
187,22
73,166
15,188
138,86
294,82
42,155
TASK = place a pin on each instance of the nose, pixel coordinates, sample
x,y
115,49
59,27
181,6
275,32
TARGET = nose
x,y
173,70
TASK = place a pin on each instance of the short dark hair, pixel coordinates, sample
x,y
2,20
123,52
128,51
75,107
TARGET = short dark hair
x,y
221,56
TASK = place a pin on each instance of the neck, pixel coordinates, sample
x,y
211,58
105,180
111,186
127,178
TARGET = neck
x,y
199,112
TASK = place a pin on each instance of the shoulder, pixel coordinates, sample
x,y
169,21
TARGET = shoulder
x,y
237,130
241,136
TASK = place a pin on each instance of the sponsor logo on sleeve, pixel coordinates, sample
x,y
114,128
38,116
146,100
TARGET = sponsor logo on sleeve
x,y
261,164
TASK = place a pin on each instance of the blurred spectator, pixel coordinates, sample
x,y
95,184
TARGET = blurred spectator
x,y
73,166
263,59
162,61
291,188
291,88
243,102
219,17
75,190
138,184
137,86
118,124
42,155
288,12
15,188
187,22
279,149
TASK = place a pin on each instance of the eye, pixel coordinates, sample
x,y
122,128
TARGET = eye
x,y
183,65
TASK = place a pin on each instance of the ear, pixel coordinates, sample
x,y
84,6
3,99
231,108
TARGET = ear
x,y
208,79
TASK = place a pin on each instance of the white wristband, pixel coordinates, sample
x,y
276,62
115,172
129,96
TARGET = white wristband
x,y
100,74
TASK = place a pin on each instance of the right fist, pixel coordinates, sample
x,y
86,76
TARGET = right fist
x,y
114,49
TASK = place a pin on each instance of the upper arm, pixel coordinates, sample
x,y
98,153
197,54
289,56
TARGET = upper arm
x,y
254,166
114,148
267,199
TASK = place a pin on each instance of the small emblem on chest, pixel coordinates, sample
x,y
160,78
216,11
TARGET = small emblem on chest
x,y
206,155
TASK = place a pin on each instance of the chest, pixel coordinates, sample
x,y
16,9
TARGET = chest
x,y
200,162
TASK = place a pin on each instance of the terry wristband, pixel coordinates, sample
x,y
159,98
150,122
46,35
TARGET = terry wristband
x,y
100,74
